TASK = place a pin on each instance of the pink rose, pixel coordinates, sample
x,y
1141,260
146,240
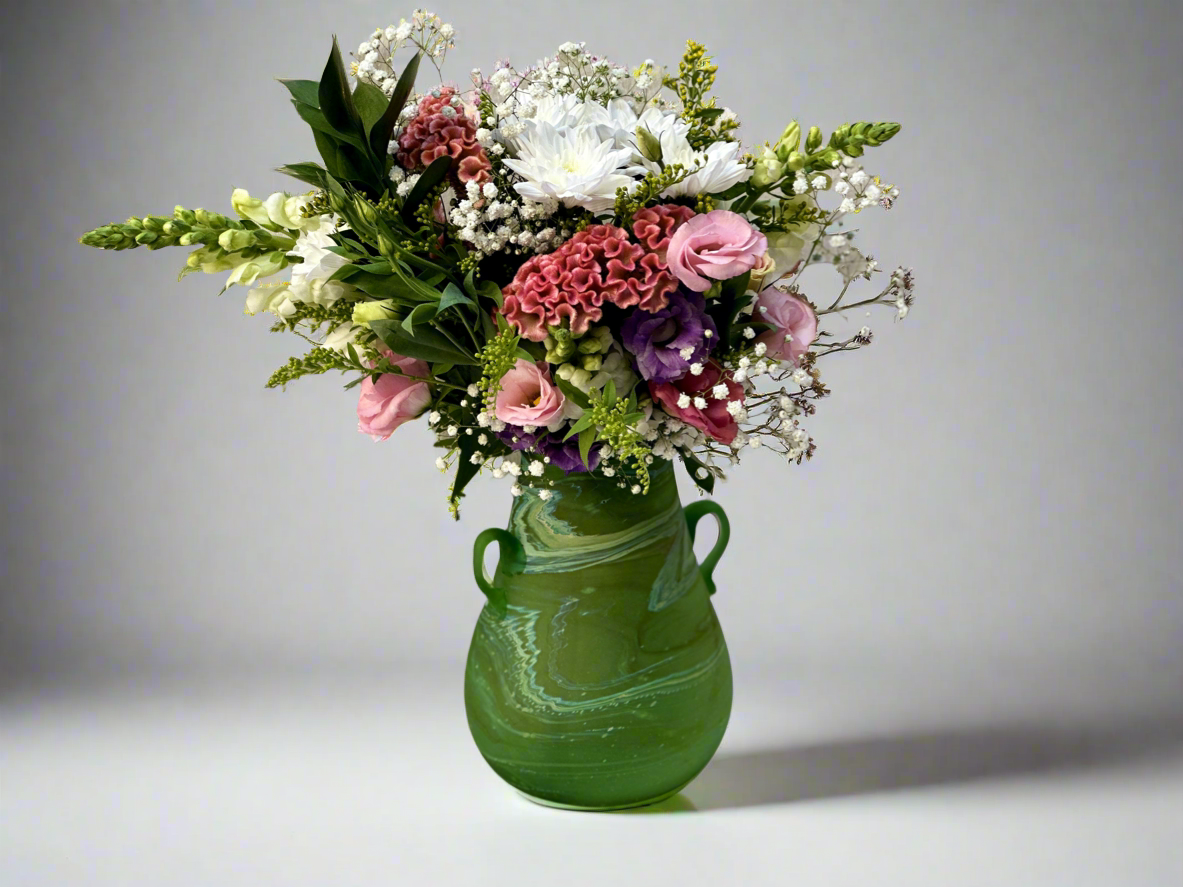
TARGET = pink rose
x,y
714,418
714,246
393,399
793,319
528,396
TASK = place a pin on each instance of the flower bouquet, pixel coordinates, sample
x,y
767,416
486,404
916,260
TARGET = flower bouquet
x,y
575,273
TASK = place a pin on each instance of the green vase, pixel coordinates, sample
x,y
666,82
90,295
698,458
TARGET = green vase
x,y
598,677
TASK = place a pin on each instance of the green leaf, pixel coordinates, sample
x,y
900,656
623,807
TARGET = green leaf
x,y
585,421
427,344
587,437
371,102
470,286
419,314
465,469
337,161
312,173
336,102
491,291
610,392
382,130
710,115
432,176
385,286
319,123
453,295
523,354
305,91
573,394
706,484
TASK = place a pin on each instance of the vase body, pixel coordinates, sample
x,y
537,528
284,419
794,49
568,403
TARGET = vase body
x,y
598,677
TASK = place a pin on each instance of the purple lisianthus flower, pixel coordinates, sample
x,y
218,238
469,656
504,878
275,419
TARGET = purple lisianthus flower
x,y
667,341
564,455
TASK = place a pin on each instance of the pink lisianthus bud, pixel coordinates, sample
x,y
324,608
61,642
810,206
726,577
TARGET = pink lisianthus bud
x,y
393,399
714,246
794,322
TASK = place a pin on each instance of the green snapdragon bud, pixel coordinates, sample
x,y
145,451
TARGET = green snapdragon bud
x,y
813,141
796,161
592,362
560,344
185,215
234,239
789,140
577,376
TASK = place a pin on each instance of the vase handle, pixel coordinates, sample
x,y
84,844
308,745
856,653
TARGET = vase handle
x,y
513,559
694,512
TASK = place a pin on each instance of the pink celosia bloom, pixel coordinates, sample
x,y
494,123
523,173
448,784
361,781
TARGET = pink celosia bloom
x,y
393,399
792,316
528,396
599,264
439,129
653,226
714,246
714,418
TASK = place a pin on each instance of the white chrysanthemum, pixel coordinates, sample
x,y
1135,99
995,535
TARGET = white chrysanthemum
x,y
572,165
719,165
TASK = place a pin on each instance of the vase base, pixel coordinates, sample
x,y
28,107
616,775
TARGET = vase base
x,y
542,802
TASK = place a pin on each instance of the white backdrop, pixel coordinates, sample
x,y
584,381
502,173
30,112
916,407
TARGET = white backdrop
x,y
995,501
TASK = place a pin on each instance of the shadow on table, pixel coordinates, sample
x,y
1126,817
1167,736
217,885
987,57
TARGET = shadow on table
x,y
887,763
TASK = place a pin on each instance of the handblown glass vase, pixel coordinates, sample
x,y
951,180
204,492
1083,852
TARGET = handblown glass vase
x,y
598,677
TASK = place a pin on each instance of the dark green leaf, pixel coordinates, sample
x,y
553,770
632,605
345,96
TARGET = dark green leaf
x,y
709,115
382,130
585,421
453,295
732,192
337,160
385,286
573,394
491,291
523,354
305,91
355,382
317,120
336,102
420,314
587,437
427,344
432,176
707,484
312,173
466,470
469,285
371,102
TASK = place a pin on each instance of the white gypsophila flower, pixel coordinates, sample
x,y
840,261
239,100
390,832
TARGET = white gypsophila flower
x,y
683,401
696,369
719,392
571,166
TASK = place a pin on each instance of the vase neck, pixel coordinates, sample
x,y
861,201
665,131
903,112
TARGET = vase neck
x,y
581,505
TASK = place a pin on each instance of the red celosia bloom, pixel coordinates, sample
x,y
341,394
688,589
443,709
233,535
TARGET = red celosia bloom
x,y
439,129
654,225
599,264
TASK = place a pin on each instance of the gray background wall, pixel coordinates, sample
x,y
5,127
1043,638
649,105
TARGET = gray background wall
x,y
995,504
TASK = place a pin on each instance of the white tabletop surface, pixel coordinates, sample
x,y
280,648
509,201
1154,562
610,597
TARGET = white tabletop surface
x,y
375,781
